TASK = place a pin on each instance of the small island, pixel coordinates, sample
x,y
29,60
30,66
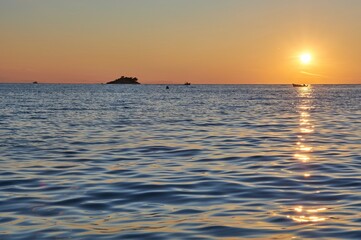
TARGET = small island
x,y
125,80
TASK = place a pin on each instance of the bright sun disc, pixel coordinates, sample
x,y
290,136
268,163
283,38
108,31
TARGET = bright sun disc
x,y
305,58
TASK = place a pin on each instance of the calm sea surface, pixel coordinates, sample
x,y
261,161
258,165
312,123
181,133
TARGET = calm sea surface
x,y
191,162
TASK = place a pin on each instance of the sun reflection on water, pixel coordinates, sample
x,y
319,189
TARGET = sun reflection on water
x,y
304,148
306,175
302,214
306,215
302,157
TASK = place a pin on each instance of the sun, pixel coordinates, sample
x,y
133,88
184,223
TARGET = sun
x,y
305,58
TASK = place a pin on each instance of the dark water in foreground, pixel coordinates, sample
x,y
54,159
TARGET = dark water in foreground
x,y
191,162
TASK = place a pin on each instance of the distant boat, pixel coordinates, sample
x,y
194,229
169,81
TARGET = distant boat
x,y
35,82
187,83
300,85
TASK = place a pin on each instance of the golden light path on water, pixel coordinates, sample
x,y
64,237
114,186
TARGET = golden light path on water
x,y
304,214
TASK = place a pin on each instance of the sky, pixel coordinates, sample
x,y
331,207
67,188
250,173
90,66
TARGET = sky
x,y
174,41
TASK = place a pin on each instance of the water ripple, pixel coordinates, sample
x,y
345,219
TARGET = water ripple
x,y
197,162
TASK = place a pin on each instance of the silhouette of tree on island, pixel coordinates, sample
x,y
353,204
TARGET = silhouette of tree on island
x,y
125,80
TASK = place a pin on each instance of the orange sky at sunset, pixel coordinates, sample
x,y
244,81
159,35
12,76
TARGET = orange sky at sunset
x,y
165,42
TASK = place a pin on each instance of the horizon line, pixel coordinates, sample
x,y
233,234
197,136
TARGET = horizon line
x,y
65,83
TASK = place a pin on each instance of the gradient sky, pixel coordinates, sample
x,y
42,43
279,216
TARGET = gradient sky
x,y
173,41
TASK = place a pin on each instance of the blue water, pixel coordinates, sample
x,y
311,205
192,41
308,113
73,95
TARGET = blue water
x,y
191,162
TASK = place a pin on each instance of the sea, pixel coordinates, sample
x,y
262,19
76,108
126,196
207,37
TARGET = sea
x,y
188,162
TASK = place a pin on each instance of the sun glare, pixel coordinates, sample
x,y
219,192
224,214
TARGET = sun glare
x,y
305,58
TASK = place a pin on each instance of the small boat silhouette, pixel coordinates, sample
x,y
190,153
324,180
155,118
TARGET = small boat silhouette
x,y
300,85
35,82
187,83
